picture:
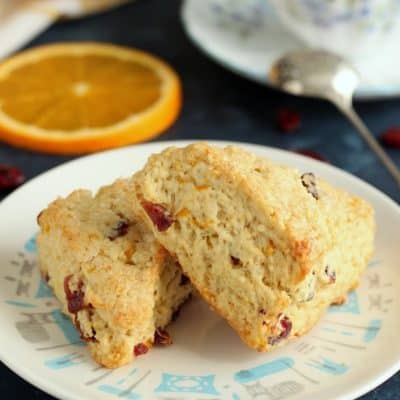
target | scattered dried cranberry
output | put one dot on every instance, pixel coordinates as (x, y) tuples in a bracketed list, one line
[(75, 298), (162, 337), (120, 230), (10, 177), (288, 120), (311, 154), (158, 215), (140, 349), (391, 137), (331, 274), (235, 261), (308, 181), (184, 280), (285, 326)]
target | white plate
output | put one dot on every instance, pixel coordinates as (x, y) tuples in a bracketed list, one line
[(248, 40), (352, 350)]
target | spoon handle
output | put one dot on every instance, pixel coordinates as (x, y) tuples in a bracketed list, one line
[(369, 138)]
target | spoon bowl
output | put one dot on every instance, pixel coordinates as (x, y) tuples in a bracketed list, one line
[(315, 73), (322, 74)]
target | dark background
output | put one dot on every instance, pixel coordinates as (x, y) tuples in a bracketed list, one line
[(219, 105)]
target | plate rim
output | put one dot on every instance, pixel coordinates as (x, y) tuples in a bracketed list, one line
[(51, 388)]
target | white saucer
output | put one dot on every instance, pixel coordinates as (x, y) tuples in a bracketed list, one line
[(353, 349), (249, 40)]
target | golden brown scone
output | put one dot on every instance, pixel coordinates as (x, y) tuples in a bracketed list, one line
[(268, 247), (112, 278)]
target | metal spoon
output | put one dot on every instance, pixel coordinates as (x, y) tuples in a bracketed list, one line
[(319, 73)]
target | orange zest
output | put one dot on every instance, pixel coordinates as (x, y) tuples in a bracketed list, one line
[(83, 97)]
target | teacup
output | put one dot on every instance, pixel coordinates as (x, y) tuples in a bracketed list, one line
[(351, 28)]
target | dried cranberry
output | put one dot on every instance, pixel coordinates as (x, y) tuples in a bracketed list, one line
[(140, 349), (158, 214), (308, 181), (311, 154), (288, 120), (120, 230), (331, 274), (285, 326), (75, 298), (391, 137), (162, 337), (10, 177), (235, 261), (184, 280)]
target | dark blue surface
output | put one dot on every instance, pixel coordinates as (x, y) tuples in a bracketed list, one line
[(219, 105)]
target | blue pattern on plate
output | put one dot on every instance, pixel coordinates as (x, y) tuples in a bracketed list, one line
[(187, 384), (270, 368), (44, 290), (30, 245), (328, 366)]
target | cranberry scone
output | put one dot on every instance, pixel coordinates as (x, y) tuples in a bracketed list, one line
[(118, 285), (268, 247)]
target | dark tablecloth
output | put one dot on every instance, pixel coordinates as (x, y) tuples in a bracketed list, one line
[(218, 105)]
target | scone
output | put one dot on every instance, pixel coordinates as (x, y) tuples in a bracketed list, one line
[(118, 285), (268, 247)]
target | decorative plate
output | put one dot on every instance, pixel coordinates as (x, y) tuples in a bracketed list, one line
[(353, 349), (247, 37)]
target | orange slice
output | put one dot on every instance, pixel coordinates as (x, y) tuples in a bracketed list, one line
[(83, 97)]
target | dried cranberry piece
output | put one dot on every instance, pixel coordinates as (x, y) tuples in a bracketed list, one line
[(285, 326), (311, 153), (331, 274), (162, 337), (288, 119), (391, 137), (308, 181), (10, 177), (120, 230), (184, 280), (235, 261), (75, 298), (158, 214), (140, 349)]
